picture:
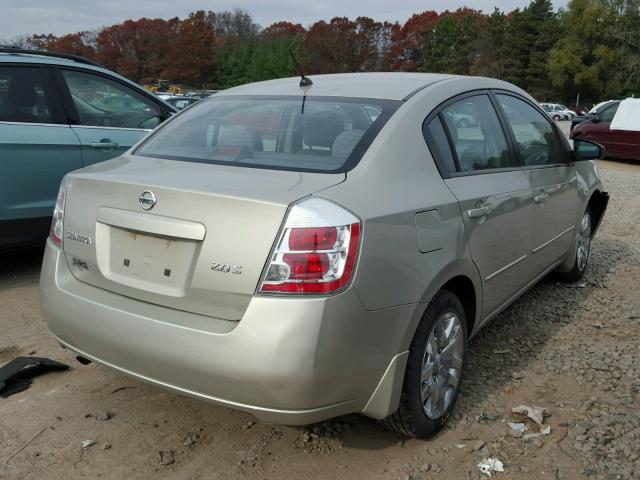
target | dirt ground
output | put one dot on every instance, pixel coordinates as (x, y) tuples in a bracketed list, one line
[(570, 349)]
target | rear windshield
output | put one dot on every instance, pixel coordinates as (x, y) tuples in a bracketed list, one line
[(319, 134)]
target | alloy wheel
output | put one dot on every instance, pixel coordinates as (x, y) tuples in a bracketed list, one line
[(584, 244), (442, 365)]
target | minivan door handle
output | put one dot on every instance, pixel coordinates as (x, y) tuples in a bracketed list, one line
[(478, 212), (103, 144)]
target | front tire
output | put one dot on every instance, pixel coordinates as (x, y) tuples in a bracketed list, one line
[(582, 252), (434, 369)]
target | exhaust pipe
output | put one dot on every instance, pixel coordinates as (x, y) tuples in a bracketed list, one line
[(82, 360)]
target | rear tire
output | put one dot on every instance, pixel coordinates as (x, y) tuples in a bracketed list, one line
[(556, 118), (582, 252), (434, 369)]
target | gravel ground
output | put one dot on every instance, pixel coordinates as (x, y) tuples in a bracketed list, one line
[(572, 349)]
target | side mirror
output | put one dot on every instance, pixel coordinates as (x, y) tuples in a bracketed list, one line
[(585, 150)]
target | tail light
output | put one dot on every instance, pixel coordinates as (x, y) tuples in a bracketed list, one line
[(57, 228), (316, 252)]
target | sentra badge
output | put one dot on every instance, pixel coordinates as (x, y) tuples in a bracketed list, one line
[(78, 237)]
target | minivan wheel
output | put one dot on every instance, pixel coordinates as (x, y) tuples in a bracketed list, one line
[(434, 369), (556, 117), (582, 252)]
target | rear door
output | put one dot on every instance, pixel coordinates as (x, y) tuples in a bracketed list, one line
[(494, 196), (107, 115), (36, 150), (553, 179)]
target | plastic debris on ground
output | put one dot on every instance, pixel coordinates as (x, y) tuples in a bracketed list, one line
[(87, 443), (16, 375), (488, 465), (534, 413), (520, 427)]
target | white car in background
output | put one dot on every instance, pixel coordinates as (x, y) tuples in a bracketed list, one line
[(558, 111)]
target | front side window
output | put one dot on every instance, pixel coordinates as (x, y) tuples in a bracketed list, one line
[(324, 134), (608, 113), (23, 96), (476, 134), (535, 137), (102, 102)]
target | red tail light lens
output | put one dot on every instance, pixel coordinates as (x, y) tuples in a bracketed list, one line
[(313, 238), (311, 258), (307, 266)]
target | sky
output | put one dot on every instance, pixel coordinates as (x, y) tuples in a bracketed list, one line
[(21, 17)]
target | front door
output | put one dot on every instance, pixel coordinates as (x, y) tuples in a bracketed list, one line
[(495, 199), (553, 180), (108, 116)]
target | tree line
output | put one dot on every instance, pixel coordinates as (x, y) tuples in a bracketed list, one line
[(591, 48)]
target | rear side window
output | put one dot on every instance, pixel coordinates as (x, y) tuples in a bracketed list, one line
[(439, 145), (535, 137), (476, 134), (322, 134), (102, 102), (23, 96)]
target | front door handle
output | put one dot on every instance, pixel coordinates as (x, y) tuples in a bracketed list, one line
[(478, 212), (104, 145), (542, 197)]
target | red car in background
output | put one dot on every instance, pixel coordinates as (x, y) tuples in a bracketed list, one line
[(623, 144)]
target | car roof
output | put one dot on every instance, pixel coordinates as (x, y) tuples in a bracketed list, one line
[(43, 60), (35, 59), (383, 85)]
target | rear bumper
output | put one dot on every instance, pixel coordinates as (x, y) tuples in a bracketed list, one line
[(289, 360)]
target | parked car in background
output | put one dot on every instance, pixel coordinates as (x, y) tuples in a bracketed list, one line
[(558, 111), (281, 250), (618, 143), (59, 113), (182, 102), (591, 113)]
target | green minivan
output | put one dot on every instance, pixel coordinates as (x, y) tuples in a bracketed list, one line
[(59, 113)]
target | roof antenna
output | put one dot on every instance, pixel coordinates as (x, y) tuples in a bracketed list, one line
[(304, 81)]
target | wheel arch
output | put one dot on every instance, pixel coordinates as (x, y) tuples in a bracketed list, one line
[(461, 278), (597, 206)]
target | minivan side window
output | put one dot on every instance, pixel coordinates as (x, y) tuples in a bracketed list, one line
[(536, 139), (476, 134), (103, 102), (608, 113), (23, 96)]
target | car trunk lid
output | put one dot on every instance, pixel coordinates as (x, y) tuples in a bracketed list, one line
[(200, 248)]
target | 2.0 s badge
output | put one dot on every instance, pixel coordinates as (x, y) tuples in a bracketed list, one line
[(226, 268)]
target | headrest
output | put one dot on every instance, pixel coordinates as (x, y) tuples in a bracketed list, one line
[(345, 143), (321, 128)]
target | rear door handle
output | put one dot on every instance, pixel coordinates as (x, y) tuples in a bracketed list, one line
[(104, 145), (542, 197), (478, 212)]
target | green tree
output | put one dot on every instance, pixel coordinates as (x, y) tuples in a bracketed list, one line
[(599, 55), (450, 46)]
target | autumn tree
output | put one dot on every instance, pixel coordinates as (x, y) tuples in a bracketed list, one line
[(137, 49), (343, 45), (405, 50), (191, 57)]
